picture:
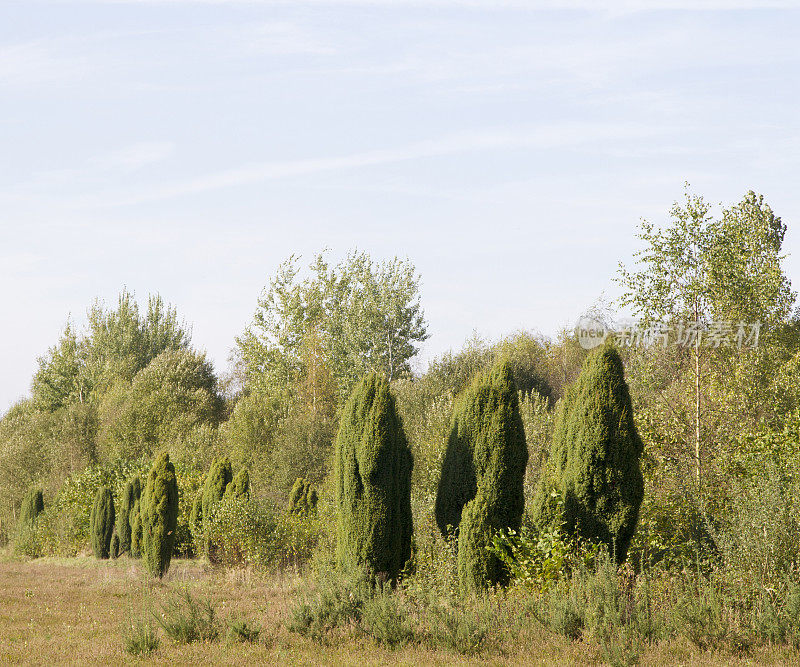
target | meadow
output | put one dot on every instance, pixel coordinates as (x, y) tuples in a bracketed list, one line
[(77, 610)]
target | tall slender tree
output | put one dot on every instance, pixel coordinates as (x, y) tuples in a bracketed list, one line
[(481, 485), (592, 485), (373, 482)]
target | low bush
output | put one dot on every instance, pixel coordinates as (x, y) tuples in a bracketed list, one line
[(539, 559), (186, 620), (140, 638), (241, 630), (339, 601), (456, 629), (386, 620), (251, 533)]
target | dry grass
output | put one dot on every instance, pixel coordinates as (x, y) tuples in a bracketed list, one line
[(74, 610)]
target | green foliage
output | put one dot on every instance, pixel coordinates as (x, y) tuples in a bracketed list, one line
[(303, 498), (130, 494), (140, 638), (196, 519), (481, 485), (101, 522), (217, 480), (248, 532), (116, 345), (386, 619), (113, 550), (136, 529), (171, 397), (593, 472), (339, 601), (242, 630), (456, 629), (32, 507), (539, 559), (186, 620), (373, 482), (361, 316), (239, 486), (159, 516)]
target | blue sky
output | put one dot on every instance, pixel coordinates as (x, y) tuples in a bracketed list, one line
[(508, 148)]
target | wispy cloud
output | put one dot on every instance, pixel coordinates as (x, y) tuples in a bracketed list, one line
[(540, 138)]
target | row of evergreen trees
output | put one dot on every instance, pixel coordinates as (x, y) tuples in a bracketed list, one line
[(591, 486), (145, 525)]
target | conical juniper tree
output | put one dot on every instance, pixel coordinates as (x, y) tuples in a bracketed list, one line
[(159, 516), (592, 484), (123, 526), (373, 482), (219, 476), (481, 486), (32, 507), (136, 519), (101, 522), (217, 481), (303, 498), (239, 486)]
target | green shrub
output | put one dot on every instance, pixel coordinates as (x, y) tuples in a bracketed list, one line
[(594, 461), (481, 485), (251, 533), (113, 549), (159, 514), (339, 601), (239, 486), (130, 494), (217, 480), (539, 559), (32, 507), (136, 529), (186, 620), (28, 540), (196, 519), (456, 629), (241, 630), (386, 621), (373, 482), (303, 498), (241, 532), (101, 522), (140, 638), (219, 477)]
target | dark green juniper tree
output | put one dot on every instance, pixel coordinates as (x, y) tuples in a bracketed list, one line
[(130, 495), (219, 476), (101, 522), (217, 481), (592, 484), (373, 482), (481, 486), (159, 516), (32, 506), (136, 529), (239, 486), (303, 498)]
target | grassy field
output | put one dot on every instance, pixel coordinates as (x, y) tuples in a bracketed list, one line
[(55, 611)]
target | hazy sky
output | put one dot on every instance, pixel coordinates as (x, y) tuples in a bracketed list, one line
[(508, 148)]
